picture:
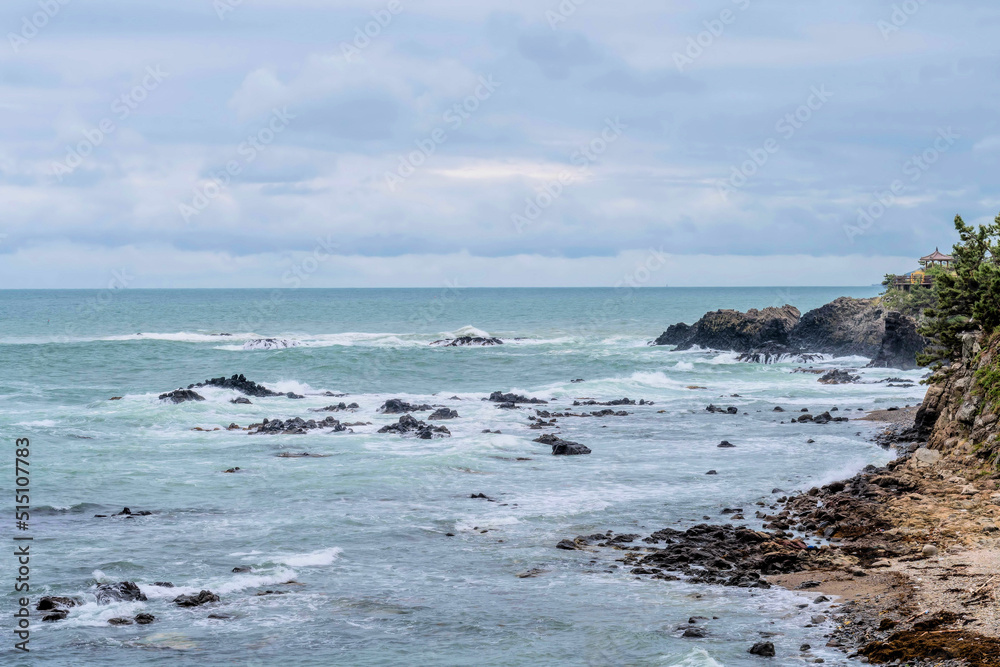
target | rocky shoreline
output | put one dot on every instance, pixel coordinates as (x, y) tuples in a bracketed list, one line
[(911, 550)]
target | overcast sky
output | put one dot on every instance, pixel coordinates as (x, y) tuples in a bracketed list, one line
[(227, 143)]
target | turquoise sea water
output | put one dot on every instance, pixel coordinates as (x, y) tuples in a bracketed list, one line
[(363, 530)]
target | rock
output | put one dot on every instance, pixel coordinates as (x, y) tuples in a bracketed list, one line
[(711, 472), (269, 344), (204, 597), (241, 400), (839, 377), (733, 330), (242, 385), (115, 398), (696, 633), (465, 341), (50, 602), (900, 343), (444, 413), (725, 444), (842, 327), (340, 407), (926, 458), (500, 397), (929, 551), (55, 615), (124, 591), (163, 584), (144, 619), (120, 621), (181, 395), (567, 545), (818, 619), (562, 447), (763, 649), (232, 470), (242, 569), (407, 425), (397, 406)]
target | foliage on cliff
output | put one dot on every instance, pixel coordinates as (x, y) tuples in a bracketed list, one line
[(968, 299), (913, 302)]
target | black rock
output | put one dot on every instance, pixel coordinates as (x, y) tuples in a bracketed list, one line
[(839, 377), (562, 447), (568, 545), (444, 413), (123, 591), (144, 619), (763, 649), (696, 633), (900, 344), (397, 406), (500, 397), (204, 597), (463, 341), (181, 395), (711, 472), (240, 384), (120, 621), (241, 400), (51, 602), (725, 444), (295, 426), (55, 615), (407, 425)]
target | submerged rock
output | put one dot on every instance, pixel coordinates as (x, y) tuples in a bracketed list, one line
[(181, 395)]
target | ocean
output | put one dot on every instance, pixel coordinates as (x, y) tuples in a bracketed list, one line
[(392, 561)]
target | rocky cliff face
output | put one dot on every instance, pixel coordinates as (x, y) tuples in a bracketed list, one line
[(959, 414), (843, 327)]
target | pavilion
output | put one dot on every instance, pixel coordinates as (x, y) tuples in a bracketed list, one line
[(921, 277)]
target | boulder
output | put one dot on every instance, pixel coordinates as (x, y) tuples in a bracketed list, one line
[(444, 413), (181, 395), (123, 591), (839, 377), (397, 406), (763, 649), (204, 597), (562, 447)]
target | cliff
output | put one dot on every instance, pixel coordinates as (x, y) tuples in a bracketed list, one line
[(842, 327)]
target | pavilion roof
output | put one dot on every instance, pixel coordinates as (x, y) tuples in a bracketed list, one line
[(937, 255)]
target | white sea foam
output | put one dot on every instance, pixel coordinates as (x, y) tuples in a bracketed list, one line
[(468, 330), (320, 558), (698, 658)]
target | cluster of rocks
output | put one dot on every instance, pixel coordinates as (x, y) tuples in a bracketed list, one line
[(295, 426), (822, 418), (57, 607), (340, 407), (463, 341), (181, 396), (444, 413), (731, 410), (202, 598), (839, 376), (397, 406), (408, 425), (843, 327), (269, 344), (620, 401), (562, 447)]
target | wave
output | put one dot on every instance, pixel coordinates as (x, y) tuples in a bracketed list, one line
[(320, 558)]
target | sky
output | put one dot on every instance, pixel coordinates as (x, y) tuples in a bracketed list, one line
[(396, 143)]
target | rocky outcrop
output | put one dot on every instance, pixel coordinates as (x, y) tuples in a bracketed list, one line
[(900, 344), (444, 413), (181, 396), (123, 591), (269, 344), (843, 327), (295, 426), (203, 597), (500, 397), (468, 341), (244, 386), (562, 447), (733, 330)]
